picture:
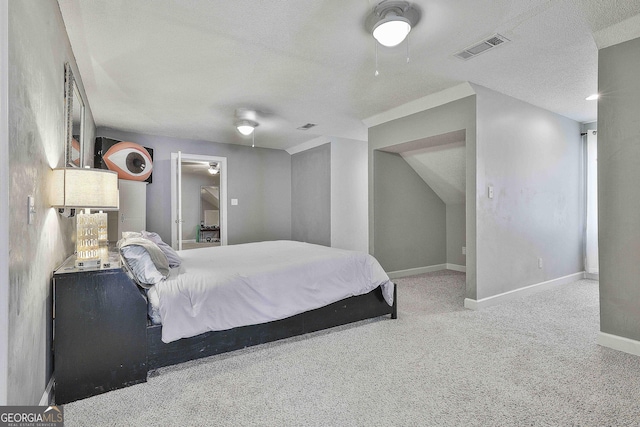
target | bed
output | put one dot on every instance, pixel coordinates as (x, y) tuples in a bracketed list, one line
[(221, 299)]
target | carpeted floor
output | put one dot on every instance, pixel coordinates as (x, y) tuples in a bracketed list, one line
[(530, 362)]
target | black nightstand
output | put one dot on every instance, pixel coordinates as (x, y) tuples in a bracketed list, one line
[(100, 331)]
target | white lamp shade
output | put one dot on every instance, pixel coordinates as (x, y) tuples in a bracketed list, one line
[(84, 188), (391, 31)]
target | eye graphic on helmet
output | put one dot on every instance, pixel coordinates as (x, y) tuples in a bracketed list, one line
[(132, 161)]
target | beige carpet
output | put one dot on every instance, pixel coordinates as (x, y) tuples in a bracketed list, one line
[(530, 362)]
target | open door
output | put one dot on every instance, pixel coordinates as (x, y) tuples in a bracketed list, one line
[(178, 160), (176, 200)]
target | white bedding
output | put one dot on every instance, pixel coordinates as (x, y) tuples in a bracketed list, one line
[(225, 287)]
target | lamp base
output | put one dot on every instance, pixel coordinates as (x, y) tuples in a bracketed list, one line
[(88, 263)]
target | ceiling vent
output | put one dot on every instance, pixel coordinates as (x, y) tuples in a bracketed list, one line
[(481, 47), (307, 126)]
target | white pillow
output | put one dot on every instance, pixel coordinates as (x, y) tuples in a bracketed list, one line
[(141, 266)]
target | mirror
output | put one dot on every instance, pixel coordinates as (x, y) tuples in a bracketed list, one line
[(74, 114), (209, 213), (209, 206)]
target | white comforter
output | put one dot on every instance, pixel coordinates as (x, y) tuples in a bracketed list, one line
[(224, 287)]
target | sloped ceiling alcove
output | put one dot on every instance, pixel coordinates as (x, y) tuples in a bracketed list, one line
[(440, 161)]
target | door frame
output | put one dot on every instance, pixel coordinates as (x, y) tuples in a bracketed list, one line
[(174, 190)]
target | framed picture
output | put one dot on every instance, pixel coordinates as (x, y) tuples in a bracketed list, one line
[(130, 160), (74, 117)]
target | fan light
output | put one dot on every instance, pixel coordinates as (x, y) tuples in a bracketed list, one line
[(212, 169), (390, 21), (392, 30), (246, 127), (592, 97)]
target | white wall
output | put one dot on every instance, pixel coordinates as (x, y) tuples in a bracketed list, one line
[(533, 160), (349, 195)]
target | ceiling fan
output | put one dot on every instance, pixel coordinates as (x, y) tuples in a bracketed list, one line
[(246, 120)]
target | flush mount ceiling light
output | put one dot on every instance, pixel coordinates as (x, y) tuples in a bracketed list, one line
[(391, 21), (213, 168), (593, 97)]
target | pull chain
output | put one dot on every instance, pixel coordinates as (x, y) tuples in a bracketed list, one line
[(376, 73), (407, 48)]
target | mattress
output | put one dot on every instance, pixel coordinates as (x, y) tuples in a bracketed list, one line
[(219, 288)]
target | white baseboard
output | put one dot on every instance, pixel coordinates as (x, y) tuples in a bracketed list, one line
[(473, 304), (592, 276), (45, 400), (619, 343), (413, 271), (457, 267)]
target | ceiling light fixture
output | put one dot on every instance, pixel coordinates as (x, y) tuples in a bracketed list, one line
[(593, 97), (391, 30), (213, 168), (245, 122), (246, 127), (390, 22)]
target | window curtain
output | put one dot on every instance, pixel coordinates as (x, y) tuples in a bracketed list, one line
[(591, 256)]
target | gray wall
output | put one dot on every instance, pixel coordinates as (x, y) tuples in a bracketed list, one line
[(349, 195), (259, 178), (4, 200), (618, 189), (410, 223), (453, 116), (311, 195), (456, 233), (38, 49), (533, 159)]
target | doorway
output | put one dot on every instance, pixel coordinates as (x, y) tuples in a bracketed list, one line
[(198, 201)]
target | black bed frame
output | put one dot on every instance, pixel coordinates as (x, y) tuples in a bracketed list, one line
[(104, 341), (349, 310)]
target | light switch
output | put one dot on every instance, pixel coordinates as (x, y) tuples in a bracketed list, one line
[(490, 192), (234, 202), (31, 209)]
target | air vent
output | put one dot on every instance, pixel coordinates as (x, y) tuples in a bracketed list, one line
[(307, 126), (481, 47)]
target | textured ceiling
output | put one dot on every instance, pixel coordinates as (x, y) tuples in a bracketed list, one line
[(181, 68)]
